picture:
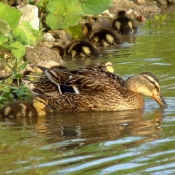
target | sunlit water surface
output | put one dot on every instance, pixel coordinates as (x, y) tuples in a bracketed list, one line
[(128, 142)]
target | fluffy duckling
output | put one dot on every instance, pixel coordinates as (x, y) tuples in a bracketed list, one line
[(59, 49), (81, 48), (100, 37), (17, 109), (78, 48), (106, 66), (123, 24)]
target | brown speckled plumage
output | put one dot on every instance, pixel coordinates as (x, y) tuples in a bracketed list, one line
[(99, 90)]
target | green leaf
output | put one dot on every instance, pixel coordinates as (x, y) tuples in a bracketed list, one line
[(26, 34), (75, 31), (94, 6), (156, 17), (164, 17), (3, 39), (42, 3), (63, 14), (19, 50), (10, 15), (24, 65), (6, 46), (4, 28), (4, 89)]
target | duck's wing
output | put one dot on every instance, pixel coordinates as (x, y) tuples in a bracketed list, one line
[(83, 79), (48, 88)]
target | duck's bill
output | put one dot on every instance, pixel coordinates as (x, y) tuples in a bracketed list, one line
[(160, 100)]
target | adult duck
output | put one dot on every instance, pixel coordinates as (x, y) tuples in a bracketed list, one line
[(99, 90)]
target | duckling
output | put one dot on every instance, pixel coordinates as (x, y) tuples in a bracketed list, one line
[(106, 66), (81, 48), (17, 109), (59, 49), (100, 37), (123, 24)]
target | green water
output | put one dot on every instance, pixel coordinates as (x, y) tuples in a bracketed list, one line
[(128, 142)]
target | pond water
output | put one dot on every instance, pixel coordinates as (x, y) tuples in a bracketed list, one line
[(127, 142)]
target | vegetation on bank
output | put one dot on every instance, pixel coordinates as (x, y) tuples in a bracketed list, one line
[(55, 14)]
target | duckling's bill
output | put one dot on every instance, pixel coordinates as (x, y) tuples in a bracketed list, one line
[(160, 100)]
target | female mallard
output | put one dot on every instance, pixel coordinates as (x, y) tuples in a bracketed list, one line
[(123, 24), (99, 90), (18, 109), (100, 37)]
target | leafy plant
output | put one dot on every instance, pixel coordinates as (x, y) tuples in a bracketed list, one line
[(14, 37), (64, 14), (58, 14), (156, 22)]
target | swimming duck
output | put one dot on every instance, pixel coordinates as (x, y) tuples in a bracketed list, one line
[(99, 90), (77, 48), (81, 48), (18, 109), (100, 37), (123, 24)]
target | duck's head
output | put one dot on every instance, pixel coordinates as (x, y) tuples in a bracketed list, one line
[(147, 84), (121, 13), (40, 103)]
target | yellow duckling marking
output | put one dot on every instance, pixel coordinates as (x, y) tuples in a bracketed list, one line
[(110, 38), (130, 24), (7, 110), (23, 109), (86, 50), (109, 67), (96, 39), (118, 24), (73, 53)]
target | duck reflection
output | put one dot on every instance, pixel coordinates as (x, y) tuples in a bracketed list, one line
[(103, 126)]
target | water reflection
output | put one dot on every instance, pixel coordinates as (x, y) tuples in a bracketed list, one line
[(96, 126), (78, 137)]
